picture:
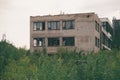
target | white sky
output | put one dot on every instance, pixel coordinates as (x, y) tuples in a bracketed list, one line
[(15, 14)]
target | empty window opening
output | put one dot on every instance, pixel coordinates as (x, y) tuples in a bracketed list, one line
[(68, 24), (53, 25), (39, 42), (68, 41), (39, 26), (53, 41)]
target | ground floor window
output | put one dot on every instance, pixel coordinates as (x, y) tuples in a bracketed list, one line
[(53, 41), (97, 42), (68, 41), (39, 42)]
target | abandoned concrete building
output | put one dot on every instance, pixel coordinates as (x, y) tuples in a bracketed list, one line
[(81, 31)]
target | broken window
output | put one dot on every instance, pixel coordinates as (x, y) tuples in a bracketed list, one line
[(53, 41), (53, 25), (39, 26), (39, 42), (68, 24), (68, 41)]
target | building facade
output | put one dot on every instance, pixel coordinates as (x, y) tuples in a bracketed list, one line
[(70, 31), (106, 34)]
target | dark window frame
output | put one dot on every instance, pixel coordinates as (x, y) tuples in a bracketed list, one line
[(53, 41), (68, 41), (39, 26), (68, 24), (97, 26), (97, 42), (36, 42), (53, 25)]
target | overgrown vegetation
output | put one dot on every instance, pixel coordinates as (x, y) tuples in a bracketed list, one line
[(20, 64)]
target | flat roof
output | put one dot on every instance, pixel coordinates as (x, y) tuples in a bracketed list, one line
[(62, 14)]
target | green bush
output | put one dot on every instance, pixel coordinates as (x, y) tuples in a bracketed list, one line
[(20, 64)]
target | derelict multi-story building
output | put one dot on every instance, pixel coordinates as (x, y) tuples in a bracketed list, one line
[(70, 31)]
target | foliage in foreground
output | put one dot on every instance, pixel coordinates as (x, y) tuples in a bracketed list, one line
[(20, 64)]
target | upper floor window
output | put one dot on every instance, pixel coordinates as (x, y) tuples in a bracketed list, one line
[(68, 41), (53, 25), (53, 41), (39, 26), (97, 26), (68, 24), (104, 24), (39, 42)]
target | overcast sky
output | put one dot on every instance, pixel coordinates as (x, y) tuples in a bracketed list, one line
[(15, 14)]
